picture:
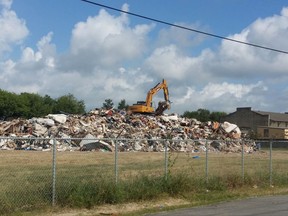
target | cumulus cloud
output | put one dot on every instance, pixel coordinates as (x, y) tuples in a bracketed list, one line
[(109, 57), (169, 62), (6, 3), (182, 38), (209, 78), (241, 60), (46, 51), (231, 59), (13, 30), (221, 96), (107, 40), (31, 72)]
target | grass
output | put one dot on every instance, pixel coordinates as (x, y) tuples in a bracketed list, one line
[(87, 179)]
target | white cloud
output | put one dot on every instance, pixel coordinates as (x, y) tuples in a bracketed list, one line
[(168, 62), (28, 55), (109, 40), (215, 90), (6, 3), (271, 31), (221, 96), (12, 29), (45, 53), (284, 12), (6, 68), (110, 58), (31, 72), (125, 7), (180, 37), (241, 60)]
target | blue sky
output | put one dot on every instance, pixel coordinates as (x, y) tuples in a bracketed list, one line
[(69, 46)]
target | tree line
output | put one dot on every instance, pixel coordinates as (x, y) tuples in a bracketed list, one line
[(204, 115), (28, 105)]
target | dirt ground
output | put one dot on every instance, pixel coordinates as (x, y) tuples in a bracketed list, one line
[(117, 210)]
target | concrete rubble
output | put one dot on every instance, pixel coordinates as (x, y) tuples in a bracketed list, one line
[(99, 130)]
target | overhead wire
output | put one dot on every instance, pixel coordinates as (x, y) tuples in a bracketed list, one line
[(186, 28)]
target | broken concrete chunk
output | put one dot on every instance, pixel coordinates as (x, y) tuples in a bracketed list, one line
[(39, 130), (96, 146), (89, 138), (137, 146), (43, 121), (60, 118), (228, 127)]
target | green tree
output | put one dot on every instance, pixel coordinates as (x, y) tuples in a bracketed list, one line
[(33, 105), (122, 105), (190, 114), (108, 104), (216, 116), (49, 104), (69, 104), (204, 115), (29, 105), (8, 104)]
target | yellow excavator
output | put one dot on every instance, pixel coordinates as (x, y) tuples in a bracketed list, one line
[(146, 106)]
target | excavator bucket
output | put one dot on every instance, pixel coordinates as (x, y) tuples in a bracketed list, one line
[(162, 106)]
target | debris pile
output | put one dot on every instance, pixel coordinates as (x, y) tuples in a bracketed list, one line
[(100, 129)]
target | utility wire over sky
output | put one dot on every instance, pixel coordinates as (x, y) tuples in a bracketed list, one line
[(105, 52), (186, 28)]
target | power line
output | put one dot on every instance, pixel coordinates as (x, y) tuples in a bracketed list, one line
[(186, 28)]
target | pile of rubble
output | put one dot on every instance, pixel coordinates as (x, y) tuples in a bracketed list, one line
[(101, 129)]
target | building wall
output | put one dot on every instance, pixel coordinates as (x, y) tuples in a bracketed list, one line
[(245, 118), (259, 124), (272, 133), (280, 124)]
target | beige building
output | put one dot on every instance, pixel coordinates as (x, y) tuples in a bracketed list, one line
[(272, 133), (260, 124)]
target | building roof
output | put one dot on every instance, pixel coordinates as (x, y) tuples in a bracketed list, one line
[(274, 116)]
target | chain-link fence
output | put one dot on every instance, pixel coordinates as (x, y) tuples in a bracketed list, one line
[(41, 176)]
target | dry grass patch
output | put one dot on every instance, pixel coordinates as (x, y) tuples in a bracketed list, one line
[(26, 176)]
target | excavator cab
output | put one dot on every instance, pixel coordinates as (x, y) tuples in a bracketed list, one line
[(146, 106)]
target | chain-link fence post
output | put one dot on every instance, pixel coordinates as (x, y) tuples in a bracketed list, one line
[(166, 160), (242, 161), (116, 162), (54, 173), (206, 164), (270, 163)]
